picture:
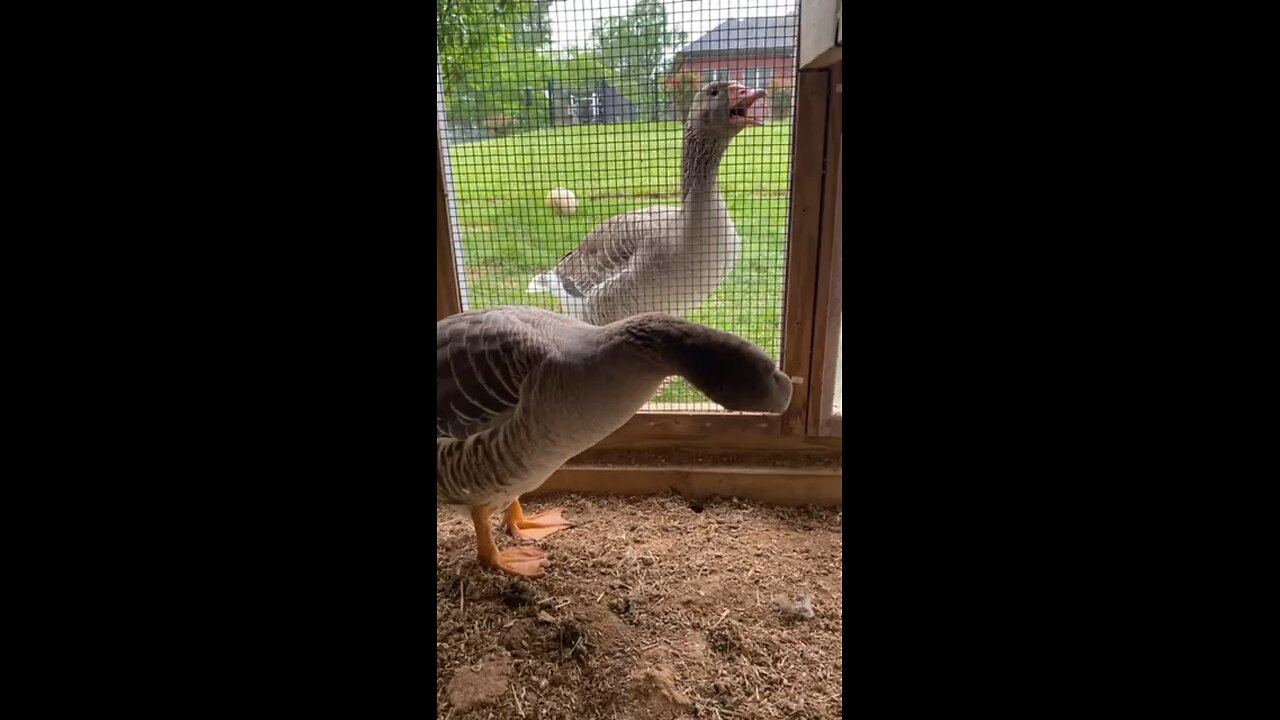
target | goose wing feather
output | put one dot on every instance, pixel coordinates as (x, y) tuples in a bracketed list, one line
[(482, 360), (608, 252)]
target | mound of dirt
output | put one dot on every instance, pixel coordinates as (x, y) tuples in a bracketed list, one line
[(653, 693), (473, 687)]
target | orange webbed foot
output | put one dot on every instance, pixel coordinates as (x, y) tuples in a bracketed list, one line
[(534, 527), (521, 561), (537, 527)]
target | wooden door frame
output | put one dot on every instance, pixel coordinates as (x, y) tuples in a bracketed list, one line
[(828, 309)]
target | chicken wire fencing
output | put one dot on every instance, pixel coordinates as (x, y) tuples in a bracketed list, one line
[(604, 158)]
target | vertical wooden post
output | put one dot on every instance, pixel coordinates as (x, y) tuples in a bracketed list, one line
[(830, 290), (809, 140)]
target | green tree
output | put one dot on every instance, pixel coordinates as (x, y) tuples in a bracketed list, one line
[(681, 88), (478, 43), (534, 29), (636, 46), (471, 34)]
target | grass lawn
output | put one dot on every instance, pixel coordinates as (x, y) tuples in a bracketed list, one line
[(509, 234)]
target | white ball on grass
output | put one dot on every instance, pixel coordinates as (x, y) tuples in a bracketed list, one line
[(563, 201)]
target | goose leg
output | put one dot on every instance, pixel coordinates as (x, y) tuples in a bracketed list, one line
[(521, 561), (534, 527)]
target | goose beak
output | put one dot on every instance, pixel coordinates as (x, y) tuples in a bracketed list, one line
[(741, 98)]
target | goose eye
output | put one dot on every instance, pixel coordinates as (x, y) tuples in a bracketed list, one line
[(714, 92)]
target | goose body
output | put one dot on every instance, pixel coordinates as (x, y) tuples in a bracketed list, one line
[(519, 391), (662, 258)]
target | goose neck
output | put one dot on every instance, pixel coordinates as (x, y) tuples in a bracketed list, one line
[(655, 340), (726, 368), (703, 152)]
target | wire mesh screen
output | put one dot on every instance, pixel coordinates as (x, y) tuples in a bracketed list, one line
[(605, 158)]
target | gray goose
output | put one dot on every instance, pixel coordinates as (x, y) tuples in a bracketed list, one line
[(662, 258), (521, 390)]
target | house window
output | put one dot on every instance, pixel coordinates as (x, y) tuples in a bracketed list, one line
[(758, 77), (714, 75)]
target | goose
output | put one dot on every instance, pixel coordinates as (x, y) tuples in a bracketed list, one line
[(520, 390), (662, 258)]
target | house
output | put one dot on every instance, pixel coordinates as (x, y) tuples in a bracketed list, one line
[(757, 52), (600, 103)]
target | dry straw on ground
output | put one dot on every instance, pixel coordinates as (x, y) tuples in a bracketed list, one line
[(654, 607)]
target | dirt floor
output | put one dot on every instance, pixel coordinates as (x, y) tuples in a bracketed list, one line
[(652, 607)]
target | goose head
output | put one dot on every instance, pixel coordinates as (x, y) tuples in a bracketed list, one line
[(721, 108), (731, 371)]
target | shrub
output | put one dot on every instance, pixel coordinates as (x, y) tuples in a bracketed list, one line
[(500, 125), (780, 101), (681, 88)]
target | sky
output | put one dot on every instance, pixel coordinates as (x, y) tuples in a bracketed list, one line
[(571, 20)]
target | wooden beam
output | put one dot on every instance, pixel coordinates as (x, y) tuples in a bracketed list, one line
[(698, 424), (809, 140), (672, 455), (708, 432), (830, 286), (769, 485), (448, 301), (721, 442)]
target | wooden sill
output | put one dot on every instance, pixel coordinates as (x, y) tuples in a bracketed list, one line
[(821, 487), (688, 437), (651, 424)]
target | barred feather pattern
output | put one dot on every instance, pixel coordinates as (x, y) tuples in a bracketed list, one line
[(657, 259), (519, 391)]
